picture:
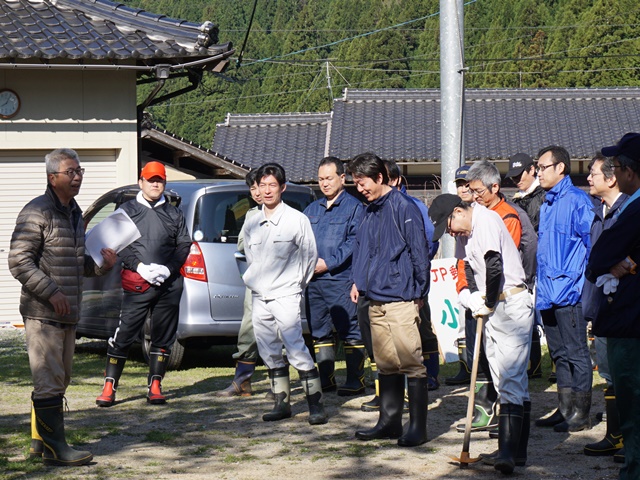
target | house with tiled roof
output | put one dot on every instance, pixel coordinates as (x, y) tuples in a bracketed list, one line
[(68, 76), (404, 125)]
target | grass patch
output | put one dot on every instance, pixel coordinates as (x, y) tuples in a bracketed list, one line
[(359, 450)]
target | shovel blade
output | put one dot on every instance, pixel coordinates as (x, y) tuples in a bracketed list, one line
[(464, 459)]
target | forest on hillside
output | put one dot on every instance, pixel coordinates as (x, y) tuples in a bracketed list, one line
[(301, 54)]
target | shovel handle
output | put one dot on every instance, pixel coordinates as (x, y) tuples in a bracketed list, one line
[(472, 390)]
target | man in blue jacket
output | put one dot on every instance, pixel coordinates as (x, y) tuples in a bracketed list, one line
[(334, 220), (391, 269), (615, 256), (563, 248)]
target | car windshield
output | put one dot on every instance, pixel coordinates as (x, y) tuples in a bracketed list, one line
[(219, 216)]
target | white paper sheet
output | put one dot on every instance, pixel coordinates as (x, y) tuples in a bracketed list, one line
[(116, 232)]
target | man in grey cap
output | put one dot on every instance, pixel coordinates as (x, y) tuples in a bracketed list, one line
[(530, 195), (613, 264)]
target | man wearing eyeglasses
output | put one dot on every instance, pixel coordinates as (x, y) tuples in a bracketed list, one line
[(47, 257), (616, 255), (151, 283), (564, 242)]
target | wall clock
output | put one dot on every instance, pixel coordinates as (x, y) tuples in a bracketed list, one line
[(9, 103)]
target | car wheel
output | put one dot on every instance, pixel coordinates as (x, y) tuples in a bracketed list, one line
[(177, 351)]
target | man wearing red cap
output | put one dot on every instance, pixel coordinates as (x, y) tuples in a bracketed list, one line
[(151, 281)]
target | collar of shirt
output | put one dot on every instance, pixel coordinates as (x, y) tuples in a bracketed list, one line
[(336, 201), (275, 217), (143, 201)]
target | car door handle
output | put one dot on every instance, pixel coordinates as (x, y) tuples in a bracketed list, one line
[(240, 256)]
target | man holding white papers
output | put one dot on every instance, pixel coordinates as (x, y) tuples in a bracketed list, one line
[(151, 282)]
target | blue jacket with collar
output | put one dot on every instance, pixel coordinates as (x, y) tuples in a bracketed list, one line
[(391, 257), (564, 242), (335, 231), (591, 295)]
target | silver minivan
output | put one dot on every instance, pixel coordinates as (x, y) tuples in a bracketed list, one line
[(212, 301)]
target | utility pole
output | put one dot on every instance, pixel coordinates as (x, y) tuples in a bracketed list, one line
[(451, 99), (329, 85)]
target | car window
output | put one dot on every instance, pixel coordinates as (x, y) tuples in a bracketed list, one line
[(218, 217)]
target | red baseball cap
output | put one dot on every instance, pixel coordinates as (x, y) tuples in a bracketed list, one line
[(153, 169)]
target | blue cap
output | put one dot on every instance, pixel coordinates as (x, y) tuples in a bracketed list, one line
[(461, 173), (629, 146)]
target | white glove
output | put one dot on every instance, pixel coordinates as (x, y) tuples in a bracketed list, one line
[(608, 282), (162, 272), (463, 298), (147, 272), (477, 305)]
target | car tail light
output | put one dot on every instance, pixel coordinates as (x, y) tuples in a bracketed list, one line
[(194, 267)]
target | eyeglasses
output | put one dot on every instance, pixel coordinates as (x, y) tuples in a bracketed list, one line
[(542, 168), (478, 192), (449, 223), (71, 173), (595, 174)]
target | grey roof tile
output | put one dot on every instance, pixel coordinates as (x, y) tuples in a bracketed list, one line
[(99, 30), (404, 125), (296, 141)]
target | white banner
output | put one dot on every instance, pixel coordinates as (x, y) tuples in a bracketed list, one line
[(445, 310)]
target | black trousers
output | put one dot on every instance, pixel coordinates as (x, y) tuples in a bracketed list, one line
[(164, 304)]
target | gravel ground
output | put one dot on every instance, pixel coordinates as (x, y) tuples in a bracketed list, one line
[(197, 435)]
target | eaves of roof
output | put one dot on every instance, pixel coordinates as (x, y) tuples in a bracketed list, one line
[(99, 31)]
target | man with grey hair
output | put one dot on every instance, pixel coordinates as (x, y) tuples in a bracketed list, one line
[(47, 257)]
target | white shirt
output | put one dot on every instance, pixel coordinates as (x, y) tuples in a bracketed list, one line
[(281, 253), (489, 233)]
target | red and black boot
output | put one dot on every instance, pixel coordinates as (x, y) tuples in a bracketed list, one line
[(158, 358), (112, 373)]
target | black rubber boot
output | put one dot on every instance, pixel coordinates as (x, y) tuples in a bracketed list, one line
[(325, 352), (312, 388), (535, 356), (612, 441), (565, 407), (618, 457), (523, 444), (241, 384), (485, 416), (354, 356), (509, 430), (416, 434), (50, 425), (464, 374), (391, 402), (37, 447), (281, 389), (431, 361), (373, 405), (112, 373), (521, 453), (158, 358), (579, 419)]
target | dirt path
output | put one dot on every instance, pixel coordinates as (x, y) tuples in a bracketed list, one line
[(197, 436)]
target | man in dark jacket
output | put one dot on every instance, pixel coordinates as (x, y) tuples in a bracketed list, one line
[(603, 185), (530, 195), (47, 257), (151, 282), (613, 264), (391, 269), (334, 219)]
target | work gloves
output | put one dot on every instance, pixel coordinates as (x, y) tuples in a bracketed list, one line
[(477, 305), (154, 273), (608, 282)]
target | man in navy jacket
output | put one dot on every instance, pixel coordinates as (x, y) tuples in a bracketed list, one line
[(613, 264), (335, 219), (391, 269)]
